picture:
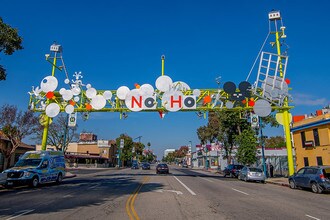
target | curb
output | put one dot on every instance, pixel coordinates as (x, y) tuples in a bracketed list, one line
[(69, 175), (276, 183)]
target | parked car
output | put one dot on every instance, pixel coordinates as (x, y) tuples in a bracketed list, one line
[(232, 170), (251, 174), (135, 166), (162, 168), (145, 166), (3, 178), (37, 167), (316, 178)]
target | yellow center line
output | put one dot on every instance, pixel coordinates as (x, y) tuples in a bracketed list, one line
[(130, 202)]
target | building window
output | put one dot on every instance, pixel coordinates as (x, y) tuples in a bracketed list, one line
[(306, 163), (316, 137), (303, 139), (319, 161)]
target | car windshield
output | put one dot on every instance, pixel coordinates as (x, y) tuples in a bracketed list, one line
[(162, 165), (252, 169), (28, 162)]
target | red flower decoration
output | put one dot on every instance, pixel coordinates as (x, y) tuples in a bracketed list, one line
[(50, 95)]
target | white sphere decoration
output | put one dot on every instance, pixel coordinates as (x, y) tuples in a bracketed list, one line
[(88, 86), (69, 109), (62, 90), (48, 84), (167, 98), (91, 93), (66, 81), (164, 83), (147, 89), (76, 98), (98, 102), (122, 92), (76, 90), (52, 110), (67, 95), (107, 94), (196, 92)]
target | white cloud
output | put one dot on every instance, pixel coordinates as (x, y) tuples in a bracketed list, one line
[(309, 100)]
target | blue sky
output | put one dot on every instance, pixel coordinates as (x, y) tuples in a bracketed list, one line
[(116, 43)]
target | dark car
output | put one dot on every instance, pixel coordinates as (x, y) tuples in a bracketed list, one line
[(145, 166), (316, 178), (162, 168), (232, 170), (135, 166), (185, 165)]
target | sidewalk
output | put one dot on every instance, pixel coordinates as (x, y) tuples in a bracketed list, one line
[(282, 181)]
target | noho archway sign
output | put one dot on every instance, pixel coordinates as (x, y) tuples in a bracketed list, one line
[(269, 92)]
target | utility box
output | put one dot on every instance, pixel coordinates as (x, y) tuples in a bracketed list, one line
[(274, 15)]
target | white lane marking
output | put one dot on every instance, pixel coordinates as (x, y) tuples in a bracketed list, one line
[(165, 190), (187, 188), (207, 180), (23, 213), (68, 196), (92, 187), (312, 217), (240, 191)]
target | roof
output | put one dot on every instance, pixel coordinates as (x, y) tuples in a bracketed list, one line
[(77, 156), (22, 145)]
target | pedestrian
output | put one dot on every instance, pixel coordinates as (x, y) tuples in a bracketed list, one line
[(271, 170)]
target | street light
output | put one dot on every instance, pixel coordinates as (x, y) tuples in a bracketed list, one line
[(190, 151)]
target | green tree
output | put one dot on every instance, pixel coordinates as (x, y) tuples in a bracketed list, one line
[(15, 126), (230, 126), (247, 150), (10, 41), (275, 142), (126, 151)]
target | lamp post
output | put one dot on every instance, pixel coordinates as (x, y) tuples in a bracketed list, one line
[(190, 151), (262, 147)]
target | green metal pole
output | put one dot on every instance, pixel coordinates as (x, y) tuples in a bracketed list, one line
[(46, 126)]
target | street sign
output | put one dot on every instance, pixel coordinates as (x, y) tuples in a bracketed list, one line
[(254, 121), (121, 143), (72, 119)]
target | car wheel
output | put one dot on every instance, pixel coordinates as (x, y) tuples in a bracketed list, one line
[(316, 188), (35, 182), (292, 184), (263, 181), (59, 178), (245, 179)]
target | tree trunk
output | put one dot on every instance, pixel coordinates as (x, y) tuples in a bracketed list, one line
[(6, 163)]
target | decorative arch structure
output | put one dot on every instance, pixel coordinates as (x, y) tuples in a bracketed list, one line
[(269, 92)]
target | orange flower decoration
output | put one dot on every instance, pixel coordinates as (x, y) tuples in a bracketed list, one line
[(88, 106), (207, 99)]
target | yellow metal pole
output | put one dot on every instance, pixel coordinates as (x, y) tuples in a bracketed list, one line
[(163, 64), (46, 125), (286, 120)]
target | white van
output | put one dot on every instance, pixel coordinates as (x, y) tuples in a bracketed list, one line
[(37, 167)]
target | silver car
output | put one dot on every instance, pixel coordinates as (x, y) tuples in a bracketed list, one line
[(251, 174)]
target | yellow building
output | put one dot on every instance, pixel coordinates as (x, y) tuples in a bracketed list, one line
[(311, 139)]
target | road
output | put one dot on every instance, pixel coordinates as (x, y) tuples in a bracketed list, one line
[(141, 194)]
